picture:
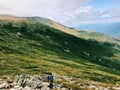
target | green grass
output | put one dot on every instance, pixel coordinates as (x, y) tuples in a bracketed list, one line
[(34, 48)]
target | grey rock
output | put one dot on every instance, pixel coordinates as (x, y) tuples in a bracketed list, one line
[(22, 80), (27, 88), (3, 85), (35, 82), (16, 88), (45, 88), (116, 88)]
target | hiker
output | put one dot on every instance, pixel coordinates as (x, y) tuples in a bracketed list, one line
[(50, 80)]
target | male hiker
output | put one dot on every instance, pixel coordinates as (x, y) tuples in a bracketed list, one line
[(50, 80)]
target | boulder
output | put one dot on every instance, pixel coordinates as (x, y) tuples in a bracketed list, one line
[(22, 80), (45, 88), (16, 88), (3, 85), (27, 88), (35, 82)]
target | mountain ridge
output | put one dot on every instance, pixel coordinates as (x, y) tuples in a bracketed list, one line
[(76, 32)]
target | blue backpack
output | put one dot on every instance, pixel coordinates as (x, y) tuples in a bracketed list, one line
[(50, 78)]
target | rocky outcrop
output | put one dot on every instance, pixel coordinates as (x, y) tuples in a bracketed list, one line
[(35, 82), (26, 82)]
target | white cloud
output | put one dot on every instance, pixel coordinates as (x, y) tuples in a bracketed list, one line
[(115, 12), (87, 15), (39, 7), (67, 12), (84, 12), (75, 15), (94, 21)]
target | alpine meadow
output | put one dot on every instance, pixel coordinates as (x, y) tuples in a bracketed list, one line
[(29, 46)]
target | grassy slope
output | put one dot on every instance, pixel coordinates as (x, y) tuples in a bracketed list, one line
[(29, 47), (81, 34)]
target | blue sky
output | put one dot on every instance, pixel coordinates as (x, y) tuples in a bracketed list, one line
[(67, 12), (101, 5)]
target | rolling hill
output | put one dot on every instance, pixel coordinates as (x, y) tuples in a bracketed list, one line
[(27, 46)]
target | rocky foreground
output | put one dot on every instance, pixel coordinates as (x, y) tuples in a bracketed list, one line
[(36, 82)]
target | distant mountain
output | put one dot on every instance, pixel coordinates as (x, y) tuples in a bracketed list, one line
[(112, 29)]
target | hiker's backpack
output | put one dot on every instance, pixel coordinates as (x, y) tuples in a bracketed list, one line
[(50, 78)]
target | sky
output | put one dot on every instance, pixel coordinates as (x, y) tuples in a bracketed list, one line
[(67, 12)]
